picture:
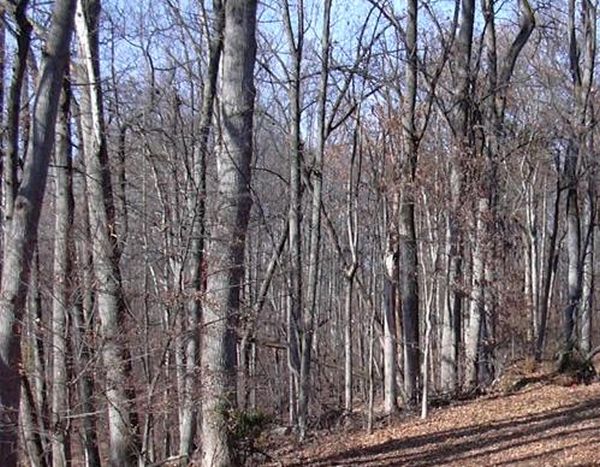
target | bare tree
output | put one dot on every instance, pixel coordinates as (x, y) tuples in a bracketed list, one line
[(111, 307), (196, 261), (22, 237), (63, 212), (499, 74), (225, 251), (408, 260), (296, 302), (579, 238)]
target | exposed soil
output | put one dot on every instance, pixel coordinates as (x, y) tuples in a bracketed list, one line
[(541, 425)]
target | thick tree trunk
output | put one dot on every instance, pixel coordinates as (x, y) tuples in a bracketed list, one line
[(452, 310), (83, 330), (61, 299), (582, 55), (476, 309), (407, 247), (587, 292), (573, 252), (462, 136), (486, 147), (196, 261), (225, 253), (10, 183), (390, 345), (582, 74), (119, 391), (22, 238)]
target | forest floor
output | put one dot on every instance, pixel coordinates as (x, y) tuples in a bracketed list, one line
[(543, 424)]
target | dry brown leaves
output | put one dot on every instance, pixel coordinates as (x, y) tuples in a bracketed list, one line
[(541, 426)]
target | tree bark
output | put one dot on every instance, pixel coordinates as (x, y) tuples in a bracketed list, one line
[(196, 262), (582, 75), (22, 237), (390, 345), (83, 328), (311, 304), (296, 303), (61, 299), (10, 182), (225, 253), (122, 419), (409, 265), (462, 140)]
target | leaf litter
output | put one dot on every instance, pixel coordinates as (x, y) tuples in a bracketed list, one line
[(541, 425)]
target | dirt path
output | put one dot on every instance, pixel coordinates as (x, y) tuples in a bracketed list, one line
[(549, 425)]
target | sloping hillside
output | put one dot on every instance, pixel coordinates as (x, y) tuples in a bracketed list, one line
[(541, 425)]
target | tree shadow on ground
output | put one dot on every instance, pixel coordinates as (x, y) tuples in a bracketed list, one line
[(478, 441)]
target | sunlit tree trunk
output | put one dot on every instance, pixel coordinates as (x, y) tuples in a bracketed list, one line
[(486, 146), (196, 264), (22, 237), (83, 325), (460, 121), (582, 59), (225, 252), (61, 298), (122, 419)]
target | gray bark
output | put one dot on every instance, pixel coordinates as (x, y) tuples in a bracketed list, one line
[(82, 331), (296, 303), (582, 74), (196, 263), (390, 345), (10, 182), (61, 300), (498, 80), (315, 232), (119, 392), (225, 252), (461, 60), (352, 201), (409, 264), (587, 292), (550, 267), (22, 237), (476, 308)]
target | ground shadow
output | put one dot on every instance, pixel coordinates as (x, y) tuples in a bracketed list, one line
[(475, 441)]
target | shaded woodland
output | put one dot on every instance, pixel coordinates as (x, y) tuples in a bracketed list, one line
[(224, 216)]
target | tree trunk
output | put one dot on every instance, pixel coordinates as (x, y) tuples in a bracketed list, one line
[(315, 232), (296, 303), (582, 74), (390, 345), (119, 391), (61, 299), (83, 330), (196, 263), (10, 182), (408, 281), (573, 251), (476, 310), (225, 253), (587, 294), (462, 137), (22, 238)]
